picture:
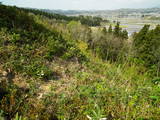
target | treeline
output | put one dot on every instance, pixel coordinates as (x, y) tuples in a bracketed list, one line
[(109, 44), (85, 20), (90, 21), (142, 48)]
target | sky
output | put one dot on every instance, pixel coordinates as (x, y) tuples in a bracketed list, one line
[(83, 4)]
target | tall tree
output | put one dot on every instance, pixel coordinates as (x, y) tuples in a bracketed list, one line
[(124, 34), (110, 29), (117, 29), (142, 45), (104, 30)]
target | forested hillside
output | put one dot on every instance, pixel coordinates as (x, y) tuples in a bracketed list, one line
[(85, 20), (54, 67)]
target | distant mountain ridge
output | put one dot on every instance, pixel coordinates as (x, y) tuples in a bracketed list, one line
[(108, 13), (127, 10)]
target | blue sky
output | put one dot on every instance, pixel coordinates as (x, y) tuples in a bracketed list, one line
[(83, 4)]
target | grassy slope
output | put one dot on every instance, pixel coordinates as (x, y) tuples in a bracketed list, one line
[(66, 88)]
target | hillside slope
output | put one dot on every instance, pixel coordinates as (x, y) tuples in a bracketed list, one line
[(46, 74)]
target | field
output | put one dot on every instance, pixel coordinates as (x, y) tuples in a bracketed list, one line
[(134, 24)]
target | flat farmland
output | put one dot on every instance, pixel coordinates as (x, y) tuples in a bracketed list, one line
[(133, 24)]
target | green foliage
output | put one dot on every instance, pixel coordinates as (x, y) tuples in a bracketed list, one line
[(96, 113), (117, 29), (90, 21), (55, 47), (104, 30), (112, 44), (110, 29), (146, 46), (19, 19), (27, 45), (124, 34), (119, 32), (109, 46), (19, 117), (85, 20), (35, 49), (72, 53), (95, 97), (79, 32), (1, 115)]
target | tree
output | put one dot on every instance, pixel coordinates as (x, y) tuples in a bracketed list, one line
[(117, 29), (118, 32), (146, 46), (140, 37), (110, 29), (142, 45), (124, 34), (155, 46), (104, 30)]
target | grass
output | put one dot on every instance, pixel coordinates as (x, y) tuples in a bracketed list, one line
[(38, 83), (96, 89), (108, 91)]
